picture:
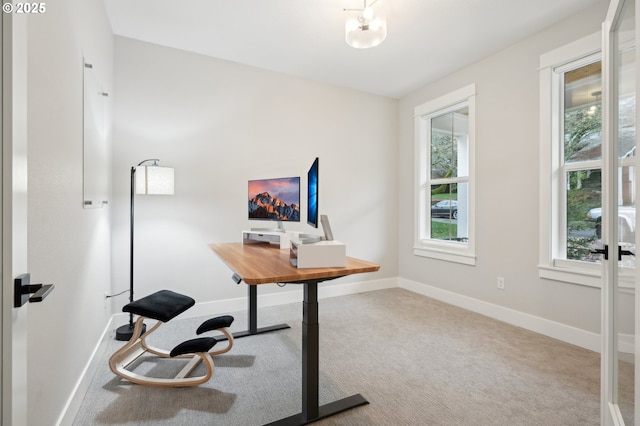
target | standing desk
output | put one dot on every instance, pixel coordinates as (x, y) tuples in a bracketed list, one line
[(263, 264)]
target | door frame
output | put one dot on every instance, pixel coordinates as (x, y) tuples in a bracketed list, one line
[(609, 414), (609, 408), (13, 204)]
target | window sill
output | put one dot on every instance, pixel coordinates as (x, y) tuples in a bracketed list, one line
[(571, 275), (585, 276), (446, 255)]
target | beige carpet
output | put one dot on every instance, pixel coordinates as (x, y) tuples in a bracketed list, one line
[(418, 362)]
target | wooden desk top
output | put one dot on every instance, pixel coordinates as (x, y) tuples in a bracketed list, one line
[(263, 264)]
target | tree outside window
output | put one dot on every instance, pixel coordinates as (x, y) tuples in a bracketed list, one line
[(449, 202), (582, 160)]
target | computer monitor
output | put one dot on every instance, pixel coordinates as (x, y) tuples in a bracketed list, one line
[(276, 200), (312, 194)]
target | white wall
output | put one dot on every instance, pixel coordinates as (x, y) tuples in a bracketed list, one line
[(67, 245), (221, 124), (507, 184)]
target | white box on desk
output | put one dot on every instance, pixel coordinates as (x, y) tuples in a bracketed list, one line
[(321, 254)]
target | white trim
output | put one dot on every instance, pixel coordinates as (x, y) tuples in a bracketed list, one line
[(14, 406), (445, 101), (585, 46), (589, 275), (556, 330), (551, 262), (566, 333), (615, 415), (70, 409), (441, 253), (610, 413), (571, 275), (439, 249)]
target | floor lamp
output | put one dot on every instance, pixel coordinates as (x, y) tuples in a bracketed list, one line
[(151, 180)]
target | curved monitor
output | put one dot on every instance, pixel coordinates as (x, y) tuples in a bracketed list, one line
[(274, 199), (312, 194)]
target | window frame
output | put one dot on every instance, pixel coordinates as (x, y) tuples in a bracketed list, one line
[(552, 198), (451, 251)]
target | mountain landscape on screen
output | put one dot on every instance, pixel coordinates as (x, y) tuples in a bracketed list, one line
[(264, 206)]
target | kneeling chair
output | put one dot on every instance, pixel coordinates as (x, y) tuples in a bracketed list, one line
[(163, 306)]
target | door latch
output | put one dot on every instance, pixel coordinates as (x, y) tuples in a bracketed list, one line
[(622, 252), (22, 290), (604, 251)]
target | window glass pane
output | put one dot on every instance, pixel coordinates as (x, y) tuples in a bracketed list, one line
[(449, 144), (626, 105), (584, 210), (626, 127), (625, 64), (450, 212), (626, 149), (627, 205), (583, 113)]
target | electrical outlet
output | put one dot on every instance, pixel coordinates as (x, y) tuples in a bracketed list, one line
[(500, 283)]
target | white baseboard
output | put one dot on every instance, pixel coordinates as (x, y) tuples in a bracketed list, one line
[(566, 333), (205, 309), (82, 385)]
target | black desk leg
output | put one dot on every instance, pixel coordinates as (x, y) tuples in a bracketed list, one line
[(252, 319), (311, 411), (310, 351), (253, 309)]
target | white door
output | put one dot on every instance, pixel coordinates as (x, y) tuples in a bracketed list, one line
[(619, 384), (13, 181)]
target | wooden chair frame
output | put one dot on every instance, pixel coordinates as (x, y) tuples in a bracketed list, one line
[(138, 346)]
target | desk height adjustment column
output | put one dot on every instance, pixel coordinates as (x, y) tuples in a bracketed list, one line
[(311, 409), (310, 352)]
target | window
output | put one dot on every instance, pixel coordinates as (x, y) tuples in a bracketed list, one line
[(444, 227), (581, 160), (571, 161)]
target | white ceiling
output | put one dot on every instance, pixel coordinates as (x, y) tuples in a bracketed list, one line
[(426, 38)]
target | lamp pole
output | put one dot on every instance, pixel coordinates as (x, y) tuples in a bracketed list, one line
[(126, 331)]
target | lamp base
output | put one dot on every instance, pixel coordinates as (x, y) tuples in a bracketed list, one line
[(125, 332)]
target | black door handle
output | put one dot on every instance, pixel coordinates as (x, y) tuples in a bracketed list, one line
[(604, 251), (22, 290), (622, 252)]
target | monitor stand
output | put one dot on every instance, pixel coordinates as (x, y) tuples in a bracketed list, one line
[(280, 228), (282, 239)]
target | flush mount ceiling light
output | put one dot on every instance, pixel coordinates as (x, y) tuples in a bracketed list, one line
[(366, 30)]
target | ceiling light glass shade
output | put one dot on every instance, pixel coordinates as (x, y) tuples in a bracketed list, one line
[(363, 33), (154, 180)]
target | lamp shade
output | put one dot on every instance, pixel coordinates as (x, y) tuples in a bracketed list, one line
[(154, 180), (363, 33)]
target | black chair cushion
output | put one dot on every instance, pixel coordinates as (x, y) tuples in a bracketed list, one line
[(162, 305), (223, 321), (201, 344)]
